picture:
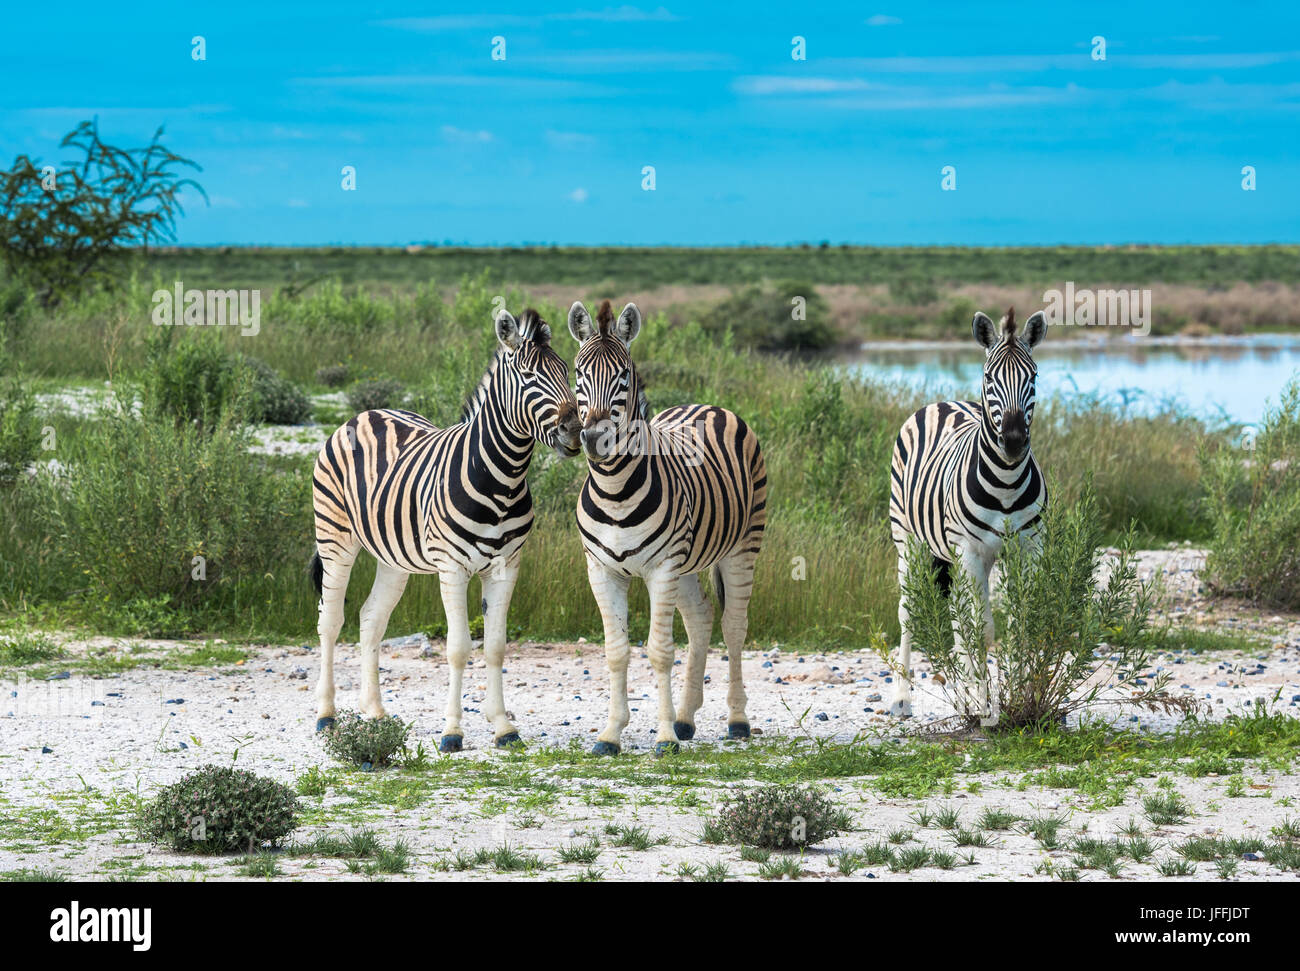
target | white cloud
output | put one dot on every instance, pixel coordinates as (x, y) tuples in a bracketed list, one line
[(463, 137), (569, 139), (882, 20), (578, 195)]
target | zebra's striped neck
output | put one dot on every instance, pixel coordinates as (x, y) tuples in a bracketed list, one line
[(994, 467), (498, 437)]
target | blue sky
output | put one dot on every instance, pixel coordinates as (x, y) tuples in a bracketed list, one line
[(748, 144)]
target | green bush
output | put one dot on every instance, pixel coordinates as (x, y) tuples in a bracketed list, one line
[(379, 393), (365, 742), (1253, 498), (768, 318), (778, 817), (20, 431), (144, 497), (220, 810), (193, 382), (1062, 642), (275, 399), (334, 375)]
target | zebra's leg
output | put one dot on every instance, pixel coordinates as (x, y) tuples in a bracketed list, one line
[(610, 591), (334, 585), (660, 647), (498, 585), (988, 689), (389, 584), (736, 574), (697, 615), (901, 705), (455, 588), (976, 691)]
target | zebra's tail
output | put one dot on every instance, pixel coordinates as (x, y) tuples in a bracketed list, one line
[(715, 574), (316, 570)]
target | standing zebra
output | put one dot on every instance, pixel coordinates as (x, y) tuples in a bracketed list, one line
[(664, 500), (451, 501), (963, 478)]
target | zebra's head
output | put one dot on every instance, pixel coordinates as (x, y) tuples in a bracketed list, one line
[(1009, 376), (610, 396), (536, 381)]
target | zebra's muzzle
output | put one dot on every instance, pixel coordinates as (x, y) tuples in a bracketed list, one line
[(598, 440), (1015, 434)]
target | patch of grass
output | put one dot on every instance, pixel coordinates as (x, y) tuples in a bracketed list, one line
[(782, 868), (580, 852), (996, 819), (912, 858), (27, 647), (1176, 868), (1166, 808)]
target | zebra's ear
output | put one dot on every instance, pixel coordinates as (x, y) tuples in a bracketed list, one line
[(1035, 328), (628, 325), (986, 334), (580, 325), (507, 329)]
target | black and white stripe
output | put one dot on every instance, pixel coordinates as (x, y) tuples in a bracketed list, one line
[(451, 501), (963, 478), (666, 498)]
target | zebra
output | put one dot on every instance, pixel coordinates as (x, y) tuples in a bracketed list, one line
[(665, 499), (452, 501), (963, 478)]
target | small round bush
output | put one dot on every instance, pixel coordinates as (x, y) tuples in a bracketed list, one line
[(277, 400), (778, 818), (219, 809), (381, 393), (334, 375), (367, 742)]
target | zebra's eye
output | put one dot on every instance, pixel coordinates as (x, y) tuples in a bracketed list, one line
[(528, 375)]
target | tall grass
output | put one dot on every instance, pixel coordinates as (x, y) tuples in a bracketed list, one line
[(115, 538)]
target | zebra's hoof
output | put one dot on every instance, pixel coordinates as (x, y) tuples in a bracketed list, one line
[(666, 748), (738, 730), (684, 731), (451, 743), (324, 723), (508, 739), (901, 709), (606, 748)]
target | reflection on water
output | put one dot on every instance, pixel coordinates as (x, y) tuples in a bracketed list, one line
[(1225, 379)]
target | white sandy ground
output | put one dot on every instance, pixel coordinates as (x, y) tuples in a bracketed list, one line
[(132, 733)]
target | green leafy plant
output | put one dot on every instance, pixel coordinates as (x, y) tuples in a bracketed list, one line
[(365, 742), (784, 316), (379, 393), (219, 809), (1063, 640), (778, 817), (1253, 495)]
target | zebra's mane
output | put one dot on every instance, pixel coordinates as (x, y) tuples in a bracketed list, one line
[(531, 328)]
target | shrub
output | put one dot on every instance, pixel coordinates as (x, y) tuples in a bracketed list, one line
[(1253, 498), (778, 817), (380, 393), (764, 317), (275, 399), (20, 431), (144, 496), (1062, 640), (220, 810), (195, 382), (366, 742), (334, 375), (57, 238)]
